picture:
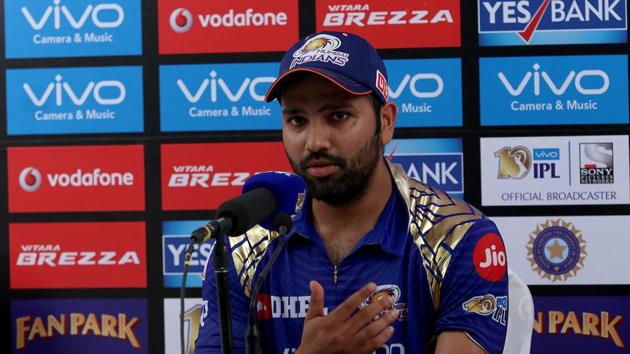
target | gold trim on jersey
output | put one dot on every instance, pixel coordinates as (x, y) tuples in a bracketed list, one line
[(437, 223), (247, 251)]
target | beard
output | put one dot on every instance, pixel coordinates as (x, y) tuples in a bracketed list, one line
[(349, 183)]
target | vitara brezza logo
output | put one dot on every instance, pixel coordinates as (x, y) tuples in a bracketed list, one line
[(360, 15), (51, 255), (204, 176), (30, 179), (57, 16)]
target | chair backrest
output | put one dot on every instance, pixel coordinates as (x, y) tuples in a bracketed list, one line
[(520, 316)]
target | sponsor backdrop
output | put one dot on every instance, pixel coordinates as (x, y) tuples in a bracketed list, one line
[(126, 123)]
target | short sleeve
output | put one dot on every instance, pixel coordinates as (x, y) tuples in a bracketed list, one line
[(474, 291)]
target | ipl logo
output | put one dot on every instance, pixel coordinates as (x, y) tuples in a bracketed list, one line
[(514, 162)]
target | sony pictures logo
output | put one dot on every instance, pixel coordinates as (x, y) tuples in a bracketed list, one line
[(596, 163)]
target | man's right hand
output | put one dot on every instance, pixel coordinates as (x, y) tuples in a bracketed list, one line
[(346, 329)]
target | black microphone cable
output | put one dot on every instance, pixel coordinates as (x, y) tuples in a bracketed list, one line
[(283, 223)]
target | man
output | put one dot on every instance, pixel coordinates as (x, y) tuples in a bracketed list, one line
[(377, 261)]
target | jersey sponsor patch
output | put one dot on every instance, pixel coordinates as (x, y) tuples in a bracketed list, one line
[(487, 305), (489, 257)]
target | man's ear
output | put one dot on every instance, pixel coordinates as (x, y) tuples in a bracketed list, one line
[(388, 115)]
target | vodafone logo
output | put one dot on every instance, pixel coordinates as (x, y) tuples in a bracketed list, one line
[(490, 258), (30, 179), (181, 20)]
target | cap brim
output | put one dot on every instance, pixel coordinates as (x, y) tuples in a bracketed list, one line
[(344, 82)]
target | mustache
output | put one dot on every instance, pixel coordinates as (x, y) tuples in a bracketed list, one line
[(322, 155)]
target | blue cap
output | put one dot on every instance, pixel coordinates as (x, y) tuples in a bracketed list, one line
[(343, 58)]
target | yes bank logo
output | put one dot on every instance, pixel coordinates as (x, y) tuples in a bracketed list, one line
[(217, 97), (554, 90), (428, 91), (441, 170), (74, 100), (64, 28), (174, 251), (551, 21)]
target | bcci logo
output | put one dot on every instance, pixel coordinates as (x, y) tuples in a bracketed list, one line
[(487, 305), (30, 179), (391, 290), (514, 162), (181, 20), (320, 48), (596, 163), (556, 250)]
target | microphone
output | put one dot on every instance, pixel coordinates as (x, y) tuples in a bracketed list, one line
[(264, 195)]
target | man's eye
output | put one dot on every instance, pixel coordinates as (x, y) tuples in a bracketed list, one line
[(296, 120), (340, 115)]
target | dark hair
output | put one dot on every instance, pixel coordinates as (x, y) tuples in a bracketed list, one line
[(377, 104)]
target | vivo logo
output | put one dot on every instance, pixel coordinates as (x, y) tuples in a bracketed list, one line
[(213, 86), (546, 154), (116, 92), (101, 15), (560, 87), (411, 82)]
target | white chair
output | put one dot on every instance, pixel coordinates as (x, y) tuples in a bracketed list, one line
[(520, 316)]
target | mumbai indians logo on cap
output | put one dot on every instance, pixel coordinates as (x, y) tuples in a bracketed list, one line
[(320, 48)]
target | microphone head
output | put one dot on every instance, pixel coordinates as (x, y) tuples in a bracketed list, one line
[(282, 220), (289, 190)]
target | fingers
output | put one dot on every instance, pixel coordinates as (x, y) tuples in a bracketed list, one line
[(366, 315), (348, 307), (376, 342), (316, 304), (374, 328)]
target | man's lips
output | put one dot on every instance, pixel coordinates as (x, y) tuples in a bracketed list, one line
[(321, 168)]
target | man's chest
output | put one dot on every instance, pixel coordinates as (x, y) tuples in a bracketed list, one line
[(286, 296)]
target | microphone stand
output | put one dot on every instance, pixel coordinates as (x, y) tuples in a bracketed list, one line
[(283, 224), (221, 268), (216, 229)]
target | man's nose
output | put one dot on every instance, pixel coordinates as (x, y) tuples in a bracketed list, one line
[(318, 137)]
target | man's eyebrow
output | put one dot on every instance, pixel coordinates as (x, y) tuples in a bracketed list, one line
[(292, 111), (328, 107), (335, 106)]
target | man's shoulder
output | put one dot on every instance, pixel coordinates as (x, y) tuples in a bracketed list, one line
[(438, 224), (247, 252)]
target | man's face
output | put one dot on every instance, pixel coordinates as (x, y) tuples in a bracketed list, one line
[(330, 139)]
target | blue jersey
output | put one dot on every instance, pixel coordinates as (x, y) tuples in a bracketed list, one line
[(440, 259)]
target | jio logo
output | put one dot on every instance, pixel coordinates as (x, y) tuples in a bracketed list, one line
[(181, 20), (30, 179)]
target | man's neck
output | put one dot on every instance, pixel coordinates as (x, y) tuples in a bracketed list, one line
[(342, 227)]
